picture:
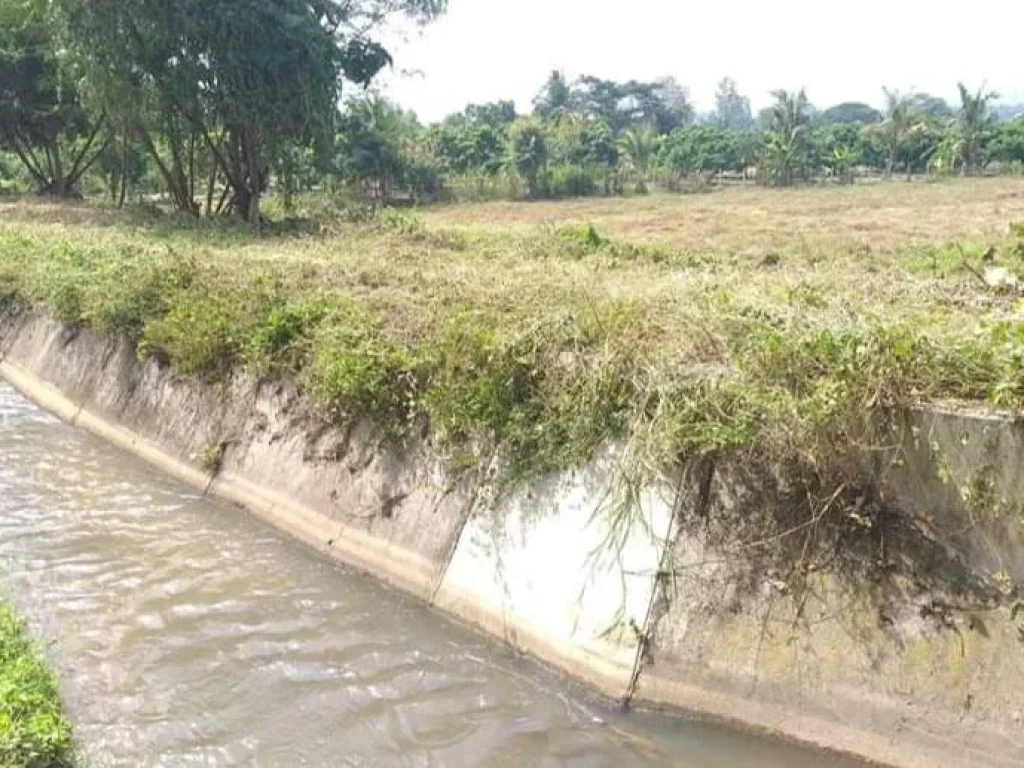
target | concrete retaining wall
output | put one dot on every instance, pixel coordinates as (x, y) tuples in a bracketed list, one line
[(635, 601)]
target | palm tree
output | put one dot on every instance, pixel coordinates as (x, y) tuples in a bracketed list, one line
[(973, 123), (639, 145), (786, 143), (556, 100), (902, 120), (790, 111)]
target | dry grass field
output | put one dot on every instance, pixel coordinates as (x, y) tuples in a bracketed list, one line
[(751, 220)]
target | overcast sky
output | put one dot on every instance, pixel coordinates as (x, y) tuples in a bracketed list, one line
[(485, 50)]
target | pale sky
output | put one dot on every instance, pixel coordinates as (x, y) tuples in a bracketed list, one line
[(485, 50)]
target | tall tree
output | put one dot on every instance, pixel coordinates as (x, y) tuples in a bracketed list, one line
[(851, 112), (933, 107), (555, 101), (974, 125), (732, 110), (787, 144), (371, 136), (670, 107), (528, 153), (245, 79), (599, 99), (497, 114), (41, 118)]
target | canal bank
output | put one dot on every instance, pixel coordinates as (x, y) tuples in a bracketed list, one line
[(644, 602), (184, 631)]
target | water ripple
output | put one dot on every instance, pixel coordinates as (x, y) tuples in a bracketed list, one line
[(187, 634)]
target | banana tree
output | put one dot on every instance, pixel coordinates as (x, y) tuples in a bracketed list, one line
[(843, 159), (640, 145), (943, 158)]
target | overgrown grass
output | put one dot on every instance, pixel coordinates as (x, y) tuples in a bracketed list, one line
[(547, 343), (34, 732)]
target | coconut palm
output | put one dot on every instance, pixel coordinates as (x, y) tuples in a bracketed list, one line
[(974, 122), (903, 119), (786, 145), (790, 111)]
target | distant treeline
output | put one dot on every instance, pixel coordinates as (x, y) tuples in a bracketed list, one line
[(210, 104), (599, 137)]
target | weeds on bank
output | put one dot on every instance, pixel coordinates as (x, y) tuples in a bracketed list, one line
[(549, 345), (34, 732), (707, 358)]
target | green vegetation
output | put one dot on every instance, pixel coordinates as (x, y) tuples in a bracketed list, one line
[(599, 137), (33, 730), (546, 344), (217, 97), (211, 107)]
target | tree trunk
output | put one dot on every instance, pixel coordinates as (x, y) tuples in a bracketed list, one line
[(256, 180), (172, 176), (210, 184), (58, 173), (124, 169)]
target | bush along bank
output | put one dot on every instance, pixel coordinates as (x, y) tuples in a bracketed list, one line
[(787, 379), (34, 733)]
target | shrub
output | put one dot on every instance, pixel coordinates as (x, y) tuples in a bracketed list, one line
[(34, 733)]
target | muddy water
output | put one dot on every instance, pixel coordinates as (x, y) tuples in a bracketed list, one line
[(187, 633)]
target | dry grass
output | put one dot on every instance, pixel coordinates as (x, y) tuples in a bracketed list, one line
[(892, 250), (748, 220)]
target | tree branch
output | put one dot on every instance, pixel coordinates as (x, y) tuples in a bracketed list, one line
[(233, 180), (75, 173), (86, 166), (23, 148)]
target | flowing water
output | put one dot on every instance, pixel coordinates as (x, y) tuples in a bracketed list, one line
[(185, 632)]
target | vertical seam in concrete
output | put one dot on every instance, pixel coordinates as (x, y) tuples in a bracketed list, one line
[(707, 471), (442, 571), (643, 636)]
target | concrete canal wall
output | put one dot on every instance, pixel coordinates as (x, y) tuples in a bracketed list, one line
[(638, 594)]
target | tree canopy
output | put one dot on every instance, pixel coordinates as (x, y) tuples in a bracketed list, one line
[(243, 79), (732, 110), (217, 102), (41, 118), (852, 112)]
